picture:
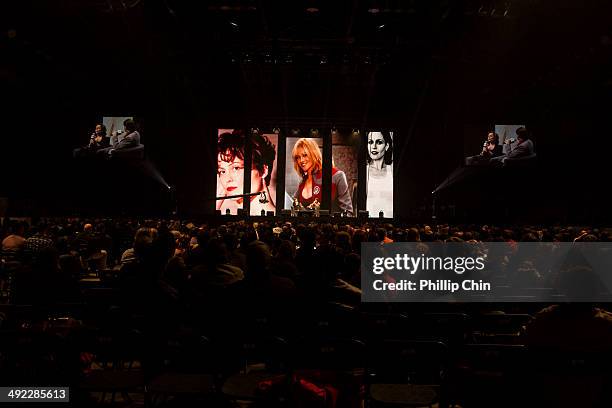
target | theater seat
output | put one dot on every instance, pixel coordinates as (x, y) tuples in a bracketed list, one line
[(129, 153)]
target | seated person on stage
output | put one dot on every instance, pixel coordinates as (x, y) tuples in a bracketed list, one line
[(124, 140), (97, 141), (131, 138), (524, 147), (490, 149)]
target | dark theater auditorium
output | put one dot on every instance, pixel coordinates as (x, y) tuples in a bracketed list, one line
[(426, 221)]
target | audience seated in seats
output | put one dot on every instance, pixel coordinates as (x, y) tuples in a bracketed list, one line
[(260, 287), (143, 242), (41, 240), (42, 282), (184, 279), (283, 264), (214, 270), (13, 243), (381, 235), (572, 346), (324, 282), (577, 325)]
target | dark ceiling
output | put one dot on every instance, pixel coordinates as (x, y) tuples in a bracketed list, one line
[(347, 59)]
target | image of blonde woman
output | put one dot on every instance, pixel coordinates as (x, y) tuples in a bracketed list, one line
[(308, 164)]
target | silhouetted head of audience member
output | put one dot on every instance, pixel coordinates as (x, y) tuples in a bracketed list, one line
[(381, 234), (307, 237), (258, 257), (580, 284), (286, 250), (143, 242), (413, 235), (216, 252), (343, 241)]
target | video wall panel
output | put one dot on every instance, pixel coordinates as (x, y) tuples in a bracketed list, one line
[(301, 185), (379, 173), (264, 148), (345, 172), (304, 173), (230, 170)]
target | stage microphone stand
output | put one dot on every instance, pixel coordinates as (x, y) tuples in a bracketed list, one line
[(237, 196)]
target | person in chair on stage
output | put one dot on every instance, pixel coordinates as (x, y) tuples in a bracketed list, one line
[(97, 141), (230, 172), (120, 141), (308, 164), (523, 149), (131, 138), (524, 146), (490, 149)]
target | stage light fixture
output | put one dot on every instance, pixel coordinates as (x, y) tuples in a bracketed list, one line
[(276, 130), (314, 132), (234, 24)]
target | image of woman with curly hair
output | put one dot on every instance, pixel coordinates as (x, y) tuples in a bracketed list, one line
[(263, 173), (230, 172)]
